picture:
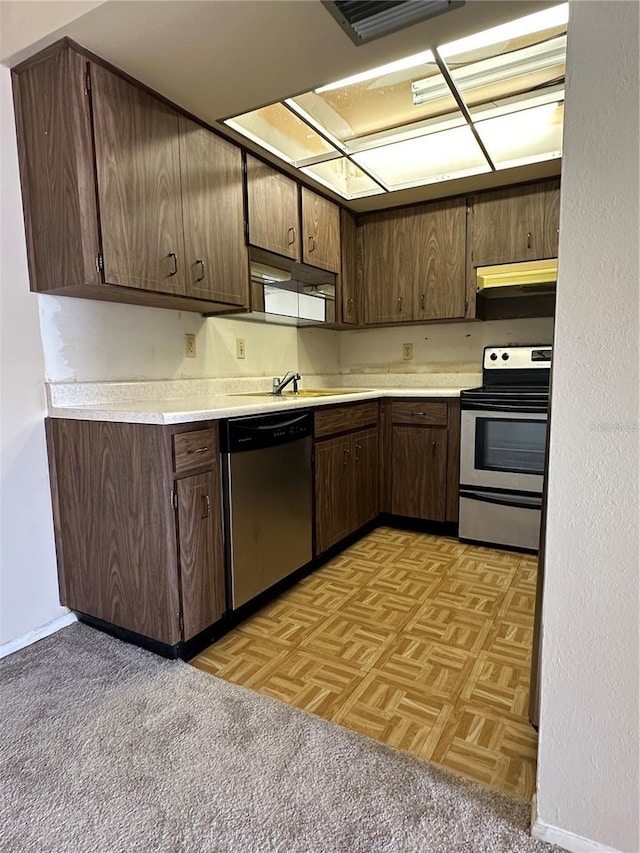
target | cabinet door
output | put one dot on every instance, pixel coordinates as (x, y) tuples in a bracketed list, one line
[(365, 503), (387, 294), (138, 174), (200, 551), (333, 476), (419, 472), (438, 251), (320, 231), (514, 225), (216, 258), (551, 219), (347, 277), (273, 210)]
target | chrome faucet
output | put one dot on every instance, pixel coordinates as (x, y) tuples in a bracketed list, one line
[(280, 384)]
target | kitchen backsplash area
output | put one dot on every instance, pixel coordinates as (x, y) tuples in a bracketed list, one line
[(89, 341)]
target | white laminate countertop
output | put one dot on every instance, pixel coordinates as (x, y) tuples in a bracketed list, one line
[(213, 407)]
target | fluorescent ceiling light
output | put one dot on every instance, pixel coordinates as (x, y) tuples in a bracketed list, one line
[(400, 65), (518, 63), (557, 16)]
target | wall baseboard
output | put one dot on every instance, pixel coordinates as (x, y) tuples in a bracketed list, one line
[(37, 634), (562, 837)]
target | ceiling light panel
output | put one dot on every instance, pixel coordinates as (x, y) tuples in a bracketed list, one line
[(425, 160), (378, 103), (282, 133), (343, 177), (528, 136)]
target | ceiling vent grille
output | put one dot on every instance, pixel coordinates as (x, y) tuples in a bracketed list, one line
[(365, 20)]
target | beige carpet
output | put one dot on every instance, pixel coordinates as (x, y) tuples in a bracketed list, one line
[(106, 747)]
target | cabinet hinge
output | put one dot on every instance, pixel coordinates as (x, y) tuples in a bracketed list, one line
[(181, 623), (87, 83), (99, 263), (174, 499)]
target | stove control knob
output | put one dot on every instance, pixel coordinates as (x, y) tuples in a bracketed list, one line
[(505, 356), (493, 356)]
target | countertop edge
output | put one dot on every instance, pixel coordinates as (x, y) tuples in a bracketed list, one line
[(168, 412)]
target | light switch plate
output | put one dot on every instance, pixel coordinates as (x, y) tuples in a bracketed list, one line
[(240, 348), (407, 352), (190, 345)]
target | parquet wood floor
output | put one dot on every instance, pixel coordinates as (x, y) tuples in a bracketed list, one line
[(419, 641)]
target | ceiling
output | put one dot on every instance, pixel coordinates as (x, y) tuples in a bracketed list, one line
[(225, 57)]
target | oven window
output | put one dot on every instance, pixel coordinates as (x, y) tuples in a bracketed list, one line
[(517, 446)]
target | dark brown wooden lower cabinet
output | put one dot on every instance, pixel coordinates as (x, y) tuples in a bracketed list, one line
[(419, 472), (200, 548), (332, 487), (346, 484), (126, 555)]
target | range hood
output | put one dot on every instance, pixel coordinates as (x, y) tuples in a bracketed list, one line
[(529, 278)]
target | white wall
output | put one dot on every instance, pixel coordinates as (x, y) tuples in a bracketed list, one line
[(90, 341), (28, 579), (589, 739), (453, 346)]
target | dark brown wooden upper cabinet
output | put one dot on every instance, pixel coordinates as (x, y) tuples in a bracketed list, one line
[(438, 259), (102, 184), (413, 263), (139, 195), (320, 231), (274, 214), (216, 258), (347, 280), (517, 224), (387, 292)]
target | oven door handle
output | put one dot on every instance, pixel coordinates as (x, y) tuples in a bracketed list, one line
[(513, 500), (524, 408)]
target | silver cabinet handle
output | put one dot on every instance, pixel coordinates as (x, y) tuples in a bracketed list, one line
[(358, 450), (346, 453), (433, 448), (528, 239), (418, 414), (350, 304), (292, 236), (206, 506), (423, 301), (399, 304), (201, 262), (198, 450), (175, 263), (312, 244)]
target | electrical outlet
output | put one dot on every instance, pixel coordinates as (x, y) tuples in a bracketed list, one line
[(190, 346), (240, 350), (407, 352)]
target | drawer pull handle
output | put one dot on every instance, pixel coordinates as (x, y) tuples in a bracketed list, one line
[(206, 506), (198, 450), (292, 236), (418, 414), (174, 258)]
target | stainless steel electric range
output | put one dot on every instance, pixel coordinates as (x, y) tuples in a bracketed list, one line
[(502, 448)]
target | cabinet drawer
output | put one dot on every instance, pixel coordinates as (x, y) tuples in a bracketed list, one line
[(344, 418), (194, 450), (415, 412)]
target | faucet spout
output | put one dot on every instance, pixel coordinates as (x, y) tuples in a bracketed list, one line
[(280, 384)]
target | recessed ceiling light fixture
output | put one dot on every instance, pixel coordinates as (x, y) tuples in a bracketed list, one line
[(556, 16), (391, 67)]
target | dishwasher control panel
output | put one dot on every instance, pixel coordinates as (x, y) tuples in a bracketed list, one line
[(255, 432)]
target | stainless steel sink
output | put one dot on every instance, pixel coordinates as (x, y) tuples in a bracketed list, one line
[(303, 392)]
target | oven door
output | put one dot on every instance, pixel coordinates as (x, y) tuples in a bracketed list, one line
[(502, 449)]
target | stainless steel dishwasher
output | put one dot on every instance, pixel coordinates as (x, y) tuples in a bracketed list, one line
[(267, 482)]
